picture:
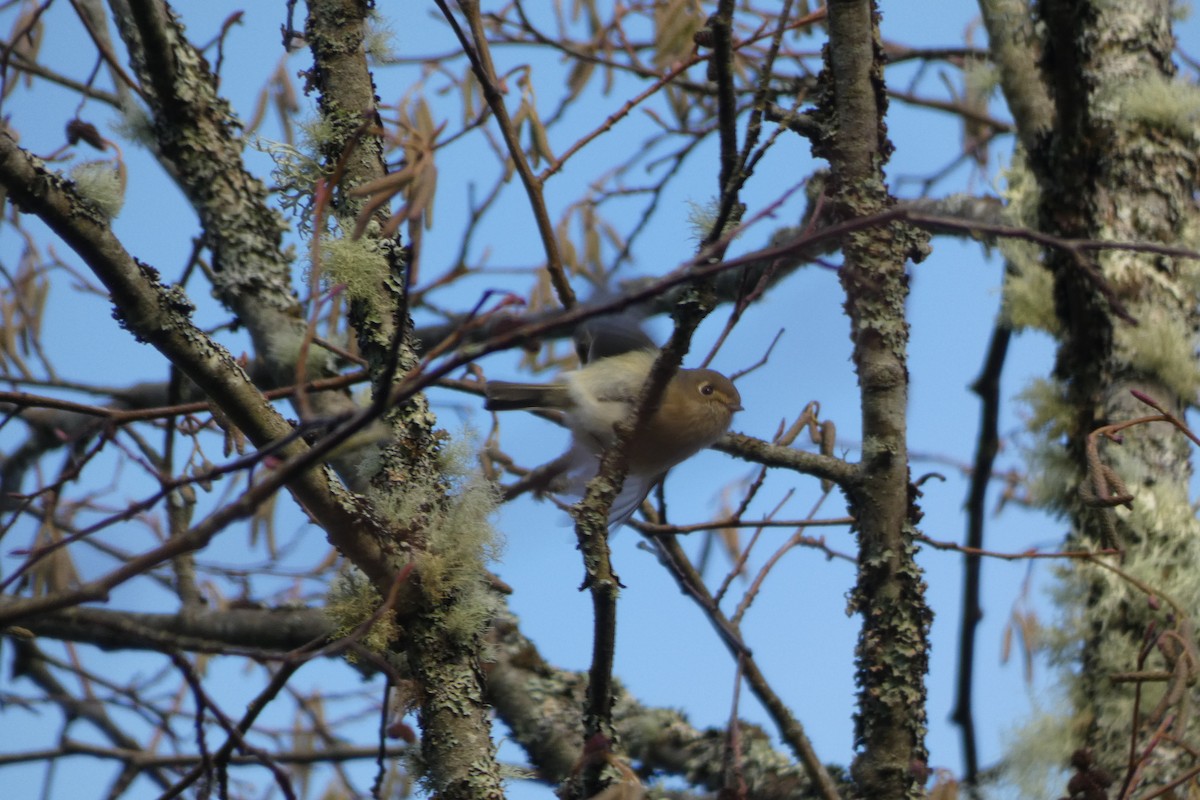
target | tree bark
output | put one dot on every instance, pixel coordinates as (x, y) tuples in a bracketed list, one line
[(893, 645)]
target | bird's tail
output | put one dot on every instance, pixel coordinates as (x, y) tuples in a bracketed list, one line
[(505, 396)]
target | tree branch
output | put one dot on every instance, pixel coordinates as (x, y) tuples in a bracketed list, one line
[(892, 652)]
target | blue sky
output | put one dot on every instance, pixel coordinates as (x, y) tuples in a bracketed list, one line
[(667, 652)]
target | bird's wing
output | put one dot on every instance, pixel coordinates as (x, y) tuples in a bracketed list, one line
[(630, 499), (583, 464), (616, 379), (613, 335)]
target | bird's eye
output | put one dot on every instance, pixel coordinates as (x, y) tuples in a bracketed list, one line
[(707, 389)]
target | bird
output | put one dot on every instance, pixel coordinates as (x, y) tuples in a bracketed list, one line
[(696, 409)]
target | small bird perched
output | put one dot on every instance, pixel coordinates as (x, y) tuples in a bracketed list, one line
[(696, 408)]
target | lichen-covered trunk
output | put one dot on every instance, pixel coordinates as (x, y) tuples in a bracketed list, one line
[(892, 652), (1120, 165), (408, 485)]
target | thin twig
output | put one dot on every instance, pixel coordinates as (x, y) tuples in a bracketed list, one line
[(478, 53), (987, 387)]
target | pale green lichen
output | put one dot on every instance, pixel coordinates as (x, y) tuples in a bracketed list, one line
[(136, 125), (1106, 630), (1188, 269), (1118, 607), (357, 264), (1052, 475), (1156, 101), (378, 43), (1019, 188), (298, 169), (1037, 752), (352, 600), (702, 217), (1028, 294), (453, 510), (1050, 411), (1163, 514), (100, 183), (1051, 471), (1158, 533), (980, 79), (1162, 344), (1027, 301), (1121, 268)]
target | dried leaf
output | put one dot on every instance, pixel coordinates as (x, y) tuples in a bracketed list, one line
[(262, 522), (591, 239), (578, 76), (56, 571), (675, 25), (424, 121), (26, 38)]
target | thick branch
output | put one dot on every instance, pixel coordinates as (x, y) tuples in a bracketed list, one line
[(539, 703), (893, 643), (196, 137), (159, 315), (1013, 47), (456, 745)]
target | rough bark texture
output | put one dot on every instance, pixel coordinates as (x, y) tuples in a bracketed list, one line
[(197, 135), (197, 138), (161, 316), (1121, 165), (1114, 158), (1011, 42), (408, 479), (538, 702), (893, 643)]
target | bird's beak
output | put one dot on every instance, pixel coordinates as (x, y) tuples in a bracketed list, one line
[(734, 407)]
